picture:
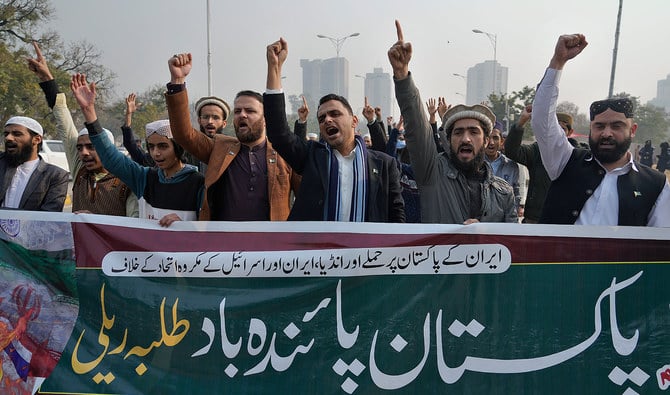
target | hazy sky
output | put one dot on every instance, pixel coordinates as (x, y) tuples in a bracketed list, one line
[(137, 37)]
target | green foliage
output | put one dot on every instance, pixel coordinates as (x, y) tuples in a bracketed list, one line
[(22, 21), (652, 122), (512, 104)]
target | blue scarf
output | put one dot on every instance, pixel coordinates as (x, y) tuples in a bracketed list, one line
[(359, 196)]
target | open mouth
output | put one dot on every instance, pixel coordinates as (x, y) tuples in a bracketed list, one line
[(332, 131), (466, 149)]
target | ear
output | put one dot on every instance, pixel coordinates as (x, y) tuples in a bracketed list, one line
[(354, 122), (633, 129), (37, 139), (224, 123), (570, 132)]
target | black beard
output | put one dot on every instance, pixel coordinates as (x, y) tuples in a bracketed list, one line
[(19, 157), (610, 156), (218, 131), (471, 168)]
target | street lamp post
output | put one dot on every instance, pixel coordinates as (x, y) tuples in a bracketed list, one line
[(494, 41), (465, 79), (337, 42), (493, 38)]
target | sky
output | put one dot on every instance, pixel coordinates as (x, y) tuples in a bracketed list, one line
[(136, 38)]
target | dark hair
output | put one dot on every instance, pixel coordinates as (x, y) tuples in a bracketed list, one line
[(178, 150), (250, 93), (33, 134), (339, 98)]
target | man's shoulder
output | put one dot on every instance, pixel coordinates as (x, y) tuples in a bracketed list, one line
[(381, 156), (52, 171)]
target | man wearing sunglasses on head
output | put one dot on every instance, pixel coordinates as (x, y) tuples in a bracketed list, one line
[(603, 186)]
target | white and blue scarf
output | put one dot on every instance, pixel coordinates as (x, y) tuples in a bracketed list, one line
[(359, 196)]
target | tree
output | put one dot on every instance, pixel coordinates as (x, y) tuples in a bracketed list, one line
[(19, 19), (22, 21), (511, 104), (580, 122), (652, 121)]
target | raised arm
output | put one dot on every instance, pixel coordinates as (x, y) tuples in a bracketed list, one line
[(131, 173), (419, 134), (136, 153), (196, 143), (65, 128), (554, 146), (276, 54), (300, 127), (513, 148)]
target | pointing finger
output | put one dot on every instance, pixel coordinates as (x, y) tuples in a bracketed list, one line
[(304, 101), (366, 101), (37, 50), (398, 29)]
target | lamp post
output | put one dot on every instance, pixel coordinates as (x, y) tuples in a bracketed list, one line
[(494, 41), (465, 79), (338, 42), (493, 38)]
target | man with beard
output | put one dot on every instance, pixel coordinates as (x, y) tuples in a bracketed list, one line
[(603, 186), (27, 182), (245, 180), (342, 180), (502, 166), (94, 189), (456, 186)]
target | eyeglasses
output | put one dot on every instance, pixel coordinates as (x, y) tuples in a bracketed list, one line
[(208, 117)]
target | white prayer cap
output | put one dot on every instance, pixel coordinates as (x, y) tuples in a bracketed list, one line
[(109, 134), (162, 128), (26, 122)]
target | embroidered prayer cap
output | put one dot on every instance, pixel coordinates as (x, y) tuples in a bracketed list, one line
[(461, 111), (207, 100), (566, 118), (27, 123), (622, 105), (161, 128), (109, 134)]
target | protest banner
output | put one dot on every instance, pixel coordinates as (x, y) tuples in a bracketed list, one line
[(361, 308)]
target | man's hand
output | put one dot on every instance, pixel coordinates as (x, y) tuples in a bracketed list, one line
[(168, 220), (303, 111), (180, 65), (131, 107), (400, 55), (85, 94), (368, 111), (276, 53), (401, 123), (567, 47), (525, 115), (442, 107), (389, 121), (39, 65), (431, 106), (378, 114)]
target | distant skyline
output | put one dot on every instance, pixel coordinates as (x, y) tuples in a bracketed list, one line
[(137, 37)]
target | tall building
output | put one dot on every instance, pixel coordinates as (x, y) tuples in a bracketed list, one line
[(323, 76), (662, 98), (480, 81), (378, 90)]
